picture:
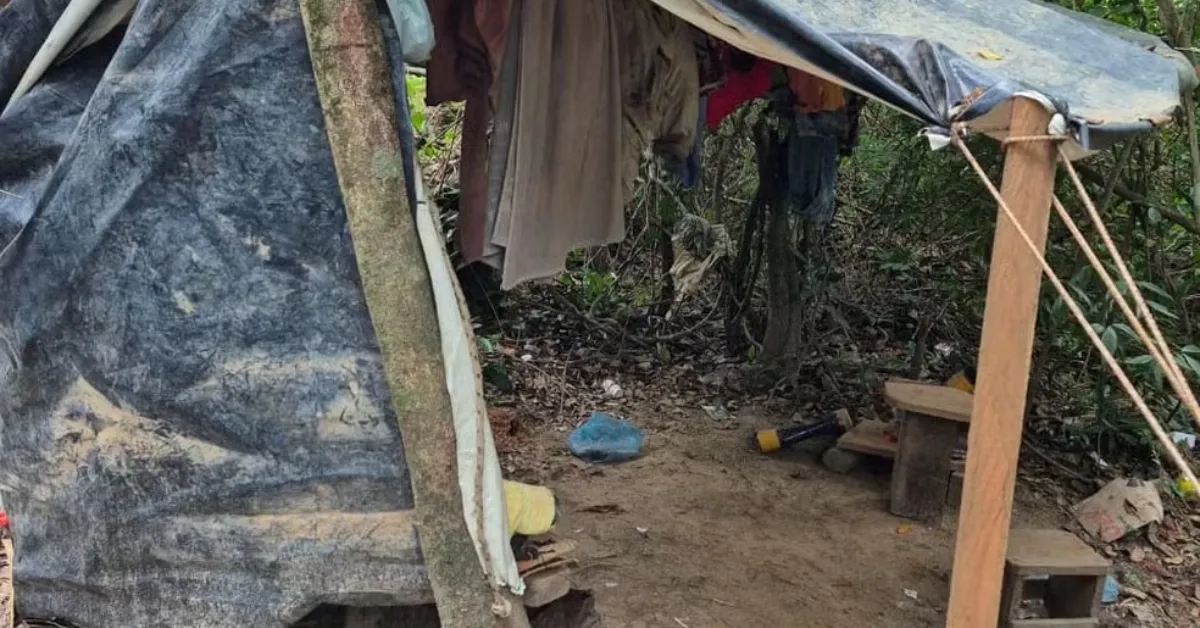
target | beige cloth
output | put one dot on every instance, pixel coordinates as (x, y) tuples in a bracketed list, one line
[(660, 85), (598, 82)]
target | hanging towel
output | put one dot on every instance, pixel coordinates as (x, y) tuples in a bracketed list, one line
[(597, 84)]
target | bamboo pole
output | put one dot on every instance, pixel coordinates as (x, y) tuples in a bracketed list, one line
[(353, 81), (1003, 375)]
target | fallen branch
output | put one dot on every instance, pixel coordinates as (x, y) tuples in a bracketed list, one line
[(1030, 447)]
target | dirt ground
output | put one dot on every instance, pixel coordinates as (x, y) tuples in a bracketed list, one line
[(701, 531)]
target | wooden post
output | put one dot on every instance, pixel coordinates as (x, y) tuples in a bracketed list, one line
[(1005, 350), (921, 473), (8, 602), (353, 80)]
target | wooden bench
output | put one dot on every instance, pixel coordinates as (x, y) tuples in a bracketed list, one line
[(1073, 573), (933, 416)]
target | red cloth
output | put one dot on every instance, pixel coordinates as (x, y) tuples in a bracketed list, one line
[(738, 88)]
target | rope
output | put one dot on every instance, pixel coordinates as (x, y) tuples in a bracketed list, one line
[(1161, 434), (1170, 368), (1032, 138)]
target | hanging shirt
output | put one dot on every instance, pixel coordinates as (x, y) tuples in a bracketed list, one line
[(739, 87), (813, 93)]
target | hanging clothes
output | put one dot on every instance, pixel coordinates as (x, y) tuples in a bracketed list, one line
[(688, 171), (813, 93), (563, 177), (465, 61), (596, 84), (660, 86), (468, 44), (746, 77), (504, 97), (710, 69), (812, 164)]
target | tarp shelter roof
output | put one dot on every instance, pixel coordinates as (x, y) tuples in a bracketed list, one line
[(947, 61)]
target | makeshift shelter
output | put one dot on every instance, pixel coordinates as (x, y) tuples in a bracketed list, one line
[(196, 423)]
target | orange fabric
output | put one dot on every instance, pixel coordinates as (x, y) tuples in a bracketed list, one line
[(814, 94)]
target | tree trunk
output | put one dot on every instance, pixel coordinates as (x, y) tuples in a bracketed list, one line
[(666, 257), (785, 300)]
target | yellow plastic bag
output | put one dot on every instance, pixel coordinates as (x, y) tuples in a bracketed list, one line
[(531, 509)]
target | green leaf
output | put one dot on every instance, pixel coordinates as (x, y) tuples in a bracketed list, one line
[(1161, 309), (1081, 296), (1188, 362), (1191, 349), (1123, 328), (1140, 360), (1109, 338), (1149, 287)]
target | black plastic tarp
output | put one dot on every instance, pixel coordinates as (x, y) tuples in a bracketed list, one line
[(945, 61), (194, 424)]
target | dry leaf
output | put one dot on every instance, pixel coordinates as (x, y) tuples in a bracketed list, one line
[(1173, 560), (903, 529), (1137, 554), (989, 55)]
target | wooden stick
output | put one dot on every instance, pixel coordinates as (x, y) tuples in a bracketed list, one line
[(353, 80), (1003, 376)]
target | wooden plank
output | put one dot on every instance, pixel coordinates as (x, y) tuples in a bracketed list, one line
[(546, 587), (1011, 596), (871, 438), (1053, 552), (929, 399), (353, 79), (921, 475), (1003, 375), (954, 491)]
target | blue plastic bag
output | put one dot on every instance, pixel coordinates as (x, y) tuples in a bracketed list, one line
[(604, 438), (1112, 590)]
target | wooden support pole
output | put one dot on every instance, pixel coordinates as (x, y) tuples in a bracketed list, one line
[(354, 84), (1005, 350), (8, 602)]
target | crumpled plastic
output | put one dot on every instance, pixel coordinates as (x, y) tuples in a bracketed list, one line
[(605, 438), (415, 28)]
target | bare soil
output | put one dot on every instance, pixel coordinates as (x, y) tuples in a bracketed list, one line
[(702, 531)]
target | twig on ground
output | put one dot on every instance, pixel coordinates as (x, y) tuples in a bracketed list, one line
[(1030, 447)]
